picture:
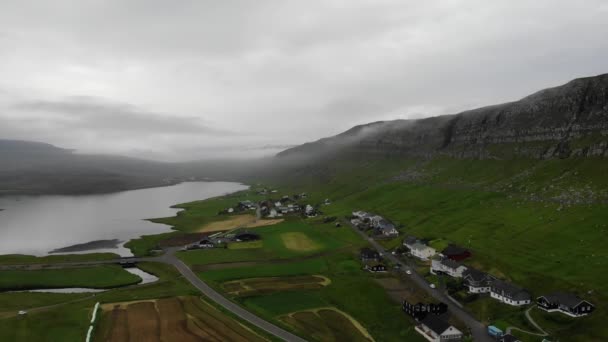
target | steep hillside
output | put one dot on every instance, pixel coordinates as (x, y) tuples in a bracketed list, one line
[(561, 122)]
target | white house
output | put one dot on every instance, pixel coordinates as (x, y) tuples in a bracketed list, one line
[(509, 293), (435, 329), (447, 266), (273, 213), (421, 251)]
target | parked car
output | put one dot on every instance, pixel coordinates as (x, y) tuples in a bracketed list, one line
[(432, 286), (409, 272)]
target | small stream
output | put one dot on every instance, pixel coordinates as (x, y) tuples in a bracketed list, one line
[(146, 278)]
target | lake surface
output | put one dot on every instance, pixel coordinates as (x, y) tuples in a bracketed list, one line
[(38, 224)]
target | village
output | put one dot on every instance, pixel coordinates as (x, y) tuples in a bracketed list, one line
[(443, 270), (432, 317)]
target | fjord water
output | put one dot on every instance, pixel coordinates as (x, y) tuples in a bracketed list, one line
[(38, 224)]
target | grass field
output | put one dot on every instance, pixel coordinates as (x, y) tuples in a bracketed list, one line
[(327, 324), (506, 212), (187, 319), (260, 286), (106, 276), (298, 241), (19, 259), (289, 239)]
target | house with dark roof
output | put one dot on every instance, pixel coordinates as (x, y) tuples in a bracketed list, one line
[(368, 254), (386, 228), (456, 253), (246, 236), (509, 293), (435, 329), (509, 338), (409, 241), (477, 281), (375, 267), (447, 266), (206, 243), (566, 303), (420, 310)]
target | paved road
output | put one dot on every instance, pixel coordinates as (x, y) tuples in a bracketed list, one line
[(478, 330), (170, 258)]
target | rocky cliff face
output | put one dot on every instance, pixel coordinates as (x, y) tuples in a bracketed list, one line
[(561, 122)]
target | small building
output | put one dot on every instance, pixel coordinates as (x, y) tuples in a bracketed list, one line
[(409, 241), (273, 213), (509, 338), (246, 236), (310, 211), (422, 251), (435, 329), (368, 254), (420, 310), (206, 243), (509, 293), (456, 253), (566, 303), (375, 220), (477, 281), (447, 266), (387, 229), (246, 205), (359, 214), (375, 267)]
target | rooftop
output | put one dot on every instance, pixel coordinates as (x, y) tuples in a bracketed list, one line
[(435, 323)]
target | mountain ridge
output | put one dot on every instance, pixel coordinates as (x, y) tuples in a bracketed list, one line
[(546, 124)]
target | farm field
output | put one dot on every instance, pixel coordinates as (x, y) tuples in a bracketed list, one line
[(236, 221), (327, 324), (104, 276), (186, 319)]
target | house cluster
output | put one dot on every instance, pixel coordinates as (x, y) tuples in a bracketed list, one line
[(372, 261), (219, 240), (381, 226), (447, 262), (265, 191), (239, 208), (287, 205)]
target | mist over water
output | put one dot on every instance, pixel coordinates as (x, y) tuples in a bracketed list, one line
[(38, 224)]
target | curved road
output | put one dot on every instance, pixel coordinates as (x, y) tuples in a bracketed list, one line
[(170, 258)]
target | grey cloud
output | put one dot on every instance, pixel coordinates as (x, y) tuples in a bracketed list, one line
[(193, 78), (97, 114)]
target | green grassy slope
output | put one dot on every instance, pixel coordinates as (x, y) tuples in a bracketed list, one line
[(541, 224)]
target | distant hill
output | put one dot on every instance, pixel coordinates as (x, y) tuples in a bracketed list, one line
[(566, 121), (32, 167)]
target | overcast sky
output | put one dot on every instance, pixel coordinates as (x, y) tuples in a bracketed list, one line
[(179, 80)]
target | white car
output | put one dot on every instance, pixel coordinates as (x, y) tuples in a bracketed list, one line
[(22, 312), (408, 272), (432, 286)]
